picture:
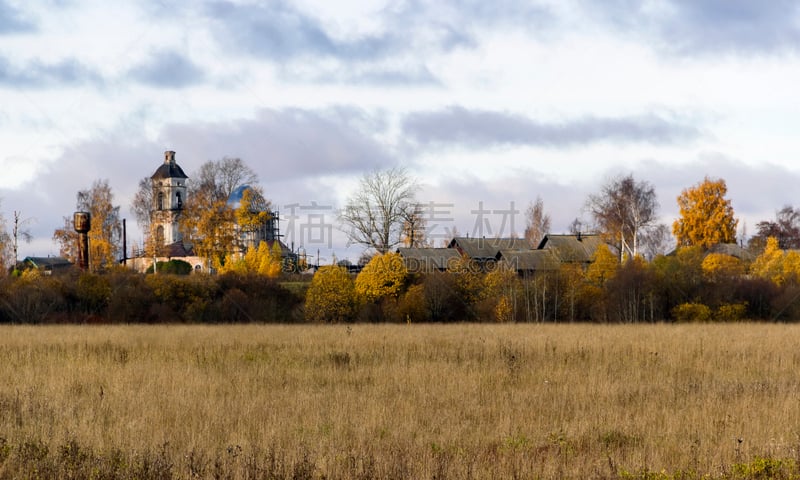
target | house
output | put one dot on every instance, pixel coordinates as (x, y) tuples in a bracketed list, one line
[(572, 248), (529, 262), (426, 260), (484, 250), (46, 265), (732, 249)]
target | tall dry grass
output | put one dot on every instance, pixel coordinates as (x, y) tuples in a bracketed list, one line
[(398, 401)]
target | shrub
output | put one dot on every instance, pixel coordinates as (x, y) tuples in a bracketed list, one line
[(174, 267), (411, 307), (384, 276), (331, 297), (691, 312), (731, 312)]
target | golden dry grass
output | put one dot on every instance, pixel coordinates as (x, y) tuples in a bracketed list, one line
[(399, 401)]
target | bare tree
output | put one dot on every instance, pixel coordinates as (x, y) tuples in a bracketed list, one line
[(19, 231), (656, 241), (785, 228), (623, 210), (413, 235), (142, 203), (5, 241), (576, 226), (537, 222), (375, 214), (220, 178)]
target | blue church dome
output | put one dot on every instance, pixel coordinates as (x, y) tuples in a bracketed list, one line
[(235, 198)]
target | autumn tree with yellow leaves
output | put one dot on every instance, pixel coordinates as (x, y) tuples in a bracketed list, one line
[(207, 221), (706, 216), (778, 266), (331, 297), (265, 260), (500, 288), (719, 266), (384, 276), (106, 228)]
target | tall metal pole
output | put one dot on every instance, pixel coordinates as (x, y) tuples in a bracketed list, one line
[(124, 243)]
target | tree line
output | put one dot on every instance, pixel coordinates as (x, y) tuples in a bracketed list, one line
[(632, 279)]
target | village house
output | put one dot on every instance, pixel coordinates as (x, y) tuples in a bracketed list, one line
[(514, 253)]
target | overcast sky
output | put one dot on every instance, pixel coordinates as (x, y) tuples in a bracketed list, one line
[(488, 103)]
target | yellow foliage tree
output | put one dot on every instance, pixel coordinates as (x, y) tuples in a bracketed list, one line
[(706, 216), (270, 261), (264, 260), (331, 297), (719, 266), (604, 266), (208, 224), (384, 276), (105, 232), (499, 287), (770, 264), (468, 278), (791, 266)]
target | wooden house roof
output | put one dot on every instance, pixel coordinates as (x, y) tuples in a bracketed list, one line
[(487, 248), (47, 263), (732, 249), (578, 248)]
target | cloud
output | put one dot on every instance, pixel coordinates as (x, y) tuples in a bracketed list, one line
[(169, 69), (289, 143), (701, 27), (276, 31), (37, 74), (458, 16), (484, 128), (12, 21), (373, 76)]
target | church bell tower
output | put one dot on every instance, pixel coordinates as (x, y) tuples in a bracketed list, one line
[(169, 198)]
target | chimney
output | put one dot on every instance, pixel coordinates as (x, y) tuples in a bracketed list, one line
[(169, 157)]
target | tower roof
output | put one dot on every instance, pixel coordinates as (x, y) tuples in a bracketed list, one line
[(169, 169)]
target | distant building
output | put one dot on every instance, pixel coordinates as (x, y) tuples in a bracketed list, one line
[(45, 265), (170, 195), (529, 262), (578, 248), (486, 251)]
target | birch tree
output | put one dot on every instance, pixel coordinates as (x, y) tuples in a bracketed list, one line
[(375, 214), (706, 216), (623, 210), (537, 223)]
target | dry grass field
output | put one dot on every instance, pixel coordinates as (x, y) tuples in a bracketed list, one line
[(400, 401)]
